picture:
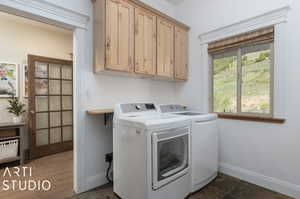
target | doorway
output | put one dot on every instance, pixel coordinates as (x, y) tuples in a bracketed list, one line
[(43, 79)]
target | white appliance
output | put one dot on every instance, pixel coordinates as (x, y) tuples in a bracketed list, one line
[(204, 144), (151, 153)]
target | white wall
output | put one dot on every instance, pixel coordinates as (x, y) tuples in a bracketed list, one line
[(267, 149), (267, 152), (20, 37), (103, 91), (93, 140)]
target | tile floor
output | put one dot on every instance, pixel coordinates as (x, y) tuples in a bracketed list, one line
[(224, 187)]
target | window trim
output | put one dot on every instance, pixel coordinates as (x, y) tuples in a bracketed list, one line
[(252, 118), (239, 114)]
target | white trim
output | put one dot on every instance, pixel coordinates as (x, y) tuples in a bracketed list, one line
[(207, 79), (24, 66), (279, 84), (80, 60), (94, 181), (263, 20), (50, 13), (45, 11), (268, 182), (279, 17)]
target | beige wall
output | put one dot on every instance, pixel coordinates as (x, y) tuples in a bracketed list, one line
[(20, 37)]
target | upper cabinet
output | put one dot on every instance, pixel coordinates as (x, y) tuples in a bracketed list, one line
[(119, 35), (165, 49), (132, 37), (113, 36), (181, 54), (145, 42)]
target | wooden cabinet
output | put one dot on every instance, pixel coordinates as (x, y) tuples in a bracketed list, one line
[(113, 35), (10, 132), (165, 48), (119, 35), (181, 53), (132, 37), (145, 42)]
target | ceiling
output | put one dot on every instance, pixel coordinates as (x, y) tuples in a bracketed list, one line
[(175, 1)]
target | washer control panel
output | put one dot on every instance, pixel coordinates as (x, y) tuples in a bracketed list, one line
[(138, 107), (169, 108)]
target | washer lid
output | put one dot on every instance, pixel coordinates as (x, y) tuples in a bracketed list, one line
[(153, 121), (171, 108), (198, 115), (190, 113)]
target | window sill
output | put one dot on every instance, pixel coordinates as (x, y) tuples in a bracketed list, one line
[(252, 118)]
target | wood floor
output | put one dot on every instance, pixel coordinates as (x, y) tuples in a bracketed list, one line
[(58, 169)]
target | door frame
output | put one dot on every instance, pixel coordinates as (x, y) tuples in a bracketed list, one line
[(81, 26)]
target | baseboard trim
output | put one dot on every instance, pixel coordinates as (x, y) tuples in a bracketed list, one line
[(271, 183), (95, 181)]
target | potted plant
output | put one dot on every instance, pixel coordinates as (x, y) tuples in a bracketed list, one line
[(16, 108)]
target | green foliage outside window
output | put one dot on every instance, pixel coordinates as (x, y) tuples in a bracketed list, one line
[(255, 83)]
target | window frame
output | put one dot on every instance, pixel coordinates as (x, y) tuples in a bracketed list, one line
[(239, 82)]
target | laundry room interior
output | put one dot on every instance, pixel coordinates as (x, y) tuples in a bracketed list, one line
[(157, 99)]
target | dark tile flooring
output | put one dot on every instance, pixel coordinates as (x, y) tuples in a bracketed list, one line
[(223, 187)]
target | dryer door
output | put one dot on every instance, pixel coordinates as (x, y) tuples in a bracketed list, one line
[(170, 155)]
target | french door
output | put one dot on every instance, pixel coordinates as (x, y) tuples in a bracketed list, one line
[(50, 105)]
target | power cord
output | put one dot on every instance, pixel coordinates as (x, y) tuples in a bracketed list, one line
[(109, 174)]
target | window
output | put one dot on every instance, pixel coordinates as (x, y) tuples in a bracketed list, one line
[(242, 74), (243, 80), (225, 82)]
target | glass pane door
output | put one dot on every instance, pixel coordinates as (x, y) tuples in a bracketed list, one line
[(172, 156), (51, 105)]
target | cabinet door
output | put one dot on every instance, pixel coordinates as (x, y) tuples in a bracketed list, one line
[(145, 42), (119, 35), (165, 48), (181, 54)]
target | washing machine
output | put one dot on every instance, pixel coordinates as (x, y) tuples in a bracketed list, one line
[(151, 153), (204, 144)]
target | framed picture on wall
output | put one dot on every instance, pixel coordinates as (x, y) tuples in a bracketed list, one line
[(8, 79), (25, 80)]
